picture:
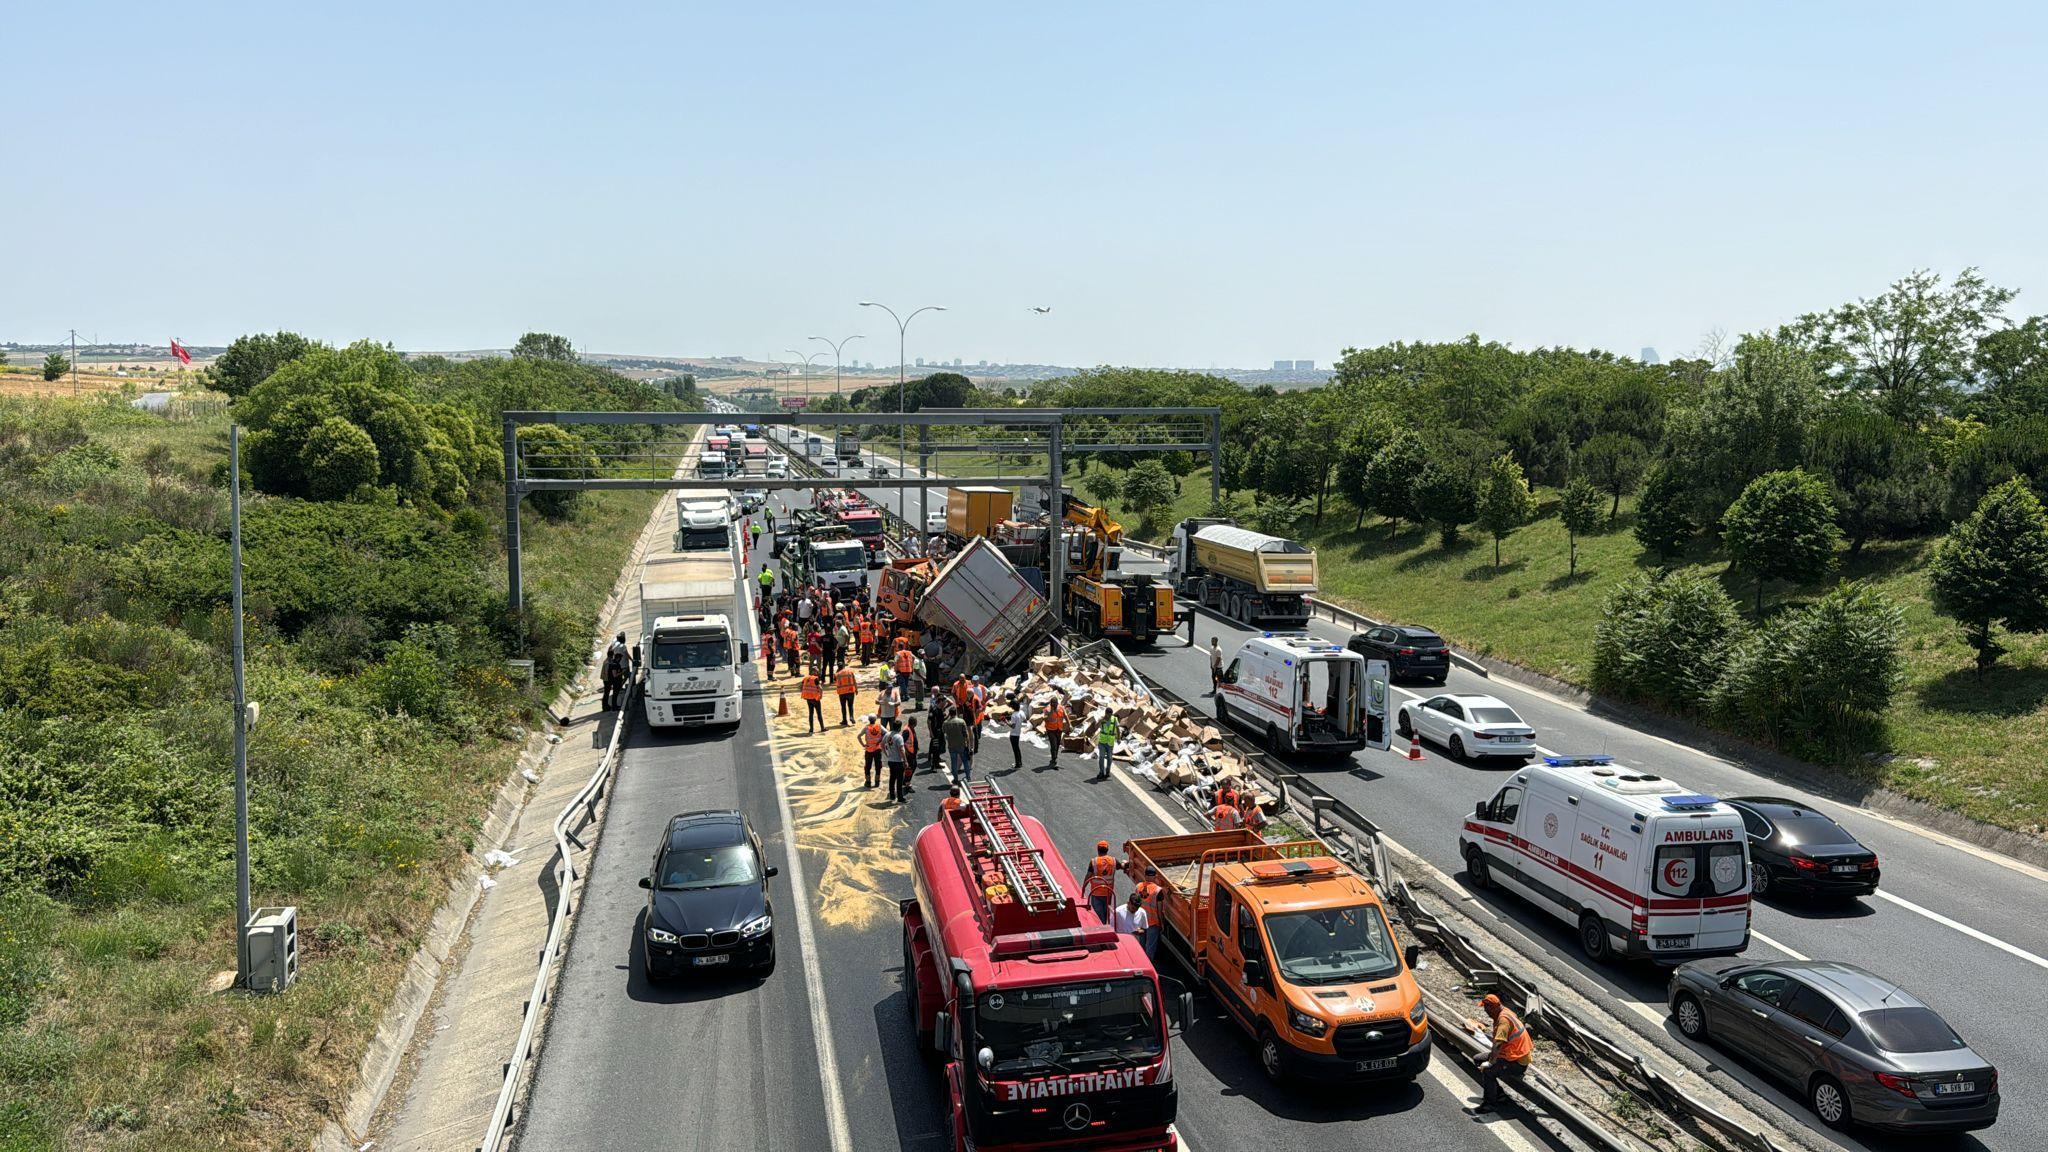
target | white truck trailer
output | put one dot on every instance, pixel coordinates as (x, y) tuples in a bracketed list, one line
[(690, 650), (980, 597)]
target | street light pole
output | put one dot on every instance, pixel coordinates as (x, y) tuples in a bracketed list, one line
[(902, 357), (807, 358), (835, 358)]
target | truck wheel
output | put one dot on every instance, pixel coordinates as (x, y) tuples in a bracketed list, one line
[(923, 1034), (1475, 867), (1269, 1055), (1593, 938), (1273, 743)]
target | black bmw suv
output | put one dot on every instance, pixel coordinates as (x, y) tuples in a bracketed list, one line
[(1411, 653), (707, 898)]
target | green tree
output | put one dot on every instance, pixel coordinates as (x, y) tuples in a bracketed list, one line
[(1446, 497), (55, 364), (1781, 527), (1909, 346), (1614, 462), (250, 360), (1805, 676), (1879, 471), (1663, 639), (1390, 479), (1991, 570), (341, 459), (1664, 523), (2013, 365), (1148, 488), (1279, 516), (544, 346), (1354, 466), (1751, 418), (1505, 502), (555, 452), (1102, 486), (1981, 459), (1579, 509)]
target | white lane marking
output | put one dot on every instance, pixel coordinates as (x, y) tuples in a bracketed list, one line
[(1965, 929), (814, 977), (1456, 1083), (1794, 953)]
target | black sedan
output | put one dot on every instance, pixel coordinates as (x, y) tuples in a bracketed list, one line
[(1411, 653), (707, 898), (1794, 849), (1860, 1049)]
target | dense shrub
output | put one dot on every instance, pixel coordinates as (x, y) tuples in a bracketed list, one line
[(1663, 640), (1810, 673)]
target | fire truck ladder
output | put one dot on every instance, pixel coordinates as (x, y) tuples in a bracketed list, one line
[(1023, 862)]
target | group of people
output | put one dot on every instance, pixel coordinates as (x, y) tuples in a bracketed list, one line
[(1138, 913)]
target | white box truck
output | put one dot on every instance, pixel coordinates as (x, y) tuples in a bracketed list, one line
[(690, 651), (981, 597)]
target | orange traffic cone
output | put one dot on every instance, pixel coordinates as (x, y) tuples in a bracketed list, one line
[(1414, 746), (782, 708)]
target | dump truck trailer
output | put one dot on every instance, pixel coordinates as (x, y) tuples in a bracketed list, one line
[(1260, 580)]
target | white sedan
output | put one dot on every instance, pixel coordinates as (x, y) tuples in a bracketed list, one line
[(1468, 725)]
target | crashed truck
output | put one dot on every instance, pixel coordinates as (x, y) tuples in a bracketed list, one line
[(981, 598)]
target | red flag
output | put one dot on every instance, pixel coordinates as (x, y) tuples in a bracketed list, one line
[(178, 350)]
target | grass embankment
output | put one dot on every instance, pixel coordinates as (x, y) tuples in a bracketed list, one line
[(116, 860), (1951, 738)]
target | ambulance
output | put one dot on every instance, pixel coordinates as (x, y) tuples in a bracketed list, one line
[(1640, 866), (1299, 694)]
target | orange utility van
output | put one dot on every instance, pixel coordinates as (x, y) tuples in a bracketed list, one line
[(1296, 947)]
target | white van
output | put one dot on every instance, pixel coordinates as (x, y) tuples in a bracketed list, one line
[(1298, 693), (1640, 866), (711, 466)]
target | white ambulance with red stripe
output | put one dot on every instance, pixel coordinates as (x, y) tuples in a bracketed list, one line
[(1640, 866)]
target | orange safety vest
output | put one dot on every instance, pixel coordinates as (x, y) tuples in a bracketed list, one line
[(871, 738), (1517, 1047), (1223, 818), (1102, 876), (847, 687), (1056, 718), (867, 630), (1148, 899), (789, 638), (903, 659), (960, 691), (949, 803), (811, 689), (980, 695)]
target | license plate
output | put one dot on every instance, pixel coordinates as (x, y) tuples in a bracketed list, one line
[(1956, 1088), (708, 961), (1672, 941), (1380, 1065), (1844, 868)]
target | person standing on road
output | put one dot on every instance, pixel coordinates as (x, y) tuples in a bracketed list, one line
[(754, 533), (847, 688), (903, 665), (1148, 894), (1055, 728), (919, 686), (1215, 666), (887, 703), (1105, 746), (843, 649), (1224, 817), (806, 607), (1101, 881), (1020, 713), (909, 766), (935, 723), (871, 738), (1129, 919), (814, 703), (866, 634), (1511, 1054), (978, 696), (957, 751), (892, 757)]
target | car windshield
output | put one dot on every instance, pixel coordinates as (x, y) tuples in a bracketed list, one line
[(1912, 1029), (702, 540), (1495, 716), (842, 558), (1333, 945), (1069, 1027), (714, 866), (674, 654)]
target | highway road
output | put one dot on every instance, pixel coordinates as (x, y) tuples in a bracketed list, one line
[(1960, 926)]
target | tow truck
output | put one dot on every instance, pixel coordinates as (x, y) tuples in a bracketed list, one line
[(1050, 1024)]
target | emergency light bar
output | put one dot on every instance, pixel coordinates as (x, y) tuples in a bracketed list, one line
[(1689, 802), (1578, 761), (1291, 869)]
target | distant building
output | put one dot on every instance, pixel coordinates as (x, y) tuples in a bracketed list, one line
[(1650, 356), (956, 362), (1304, 365), (1283, 365), (920, 361)]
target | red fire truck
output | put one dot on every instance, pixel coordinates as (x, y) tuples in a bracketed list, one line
[(1050, 1024), (861, 518)]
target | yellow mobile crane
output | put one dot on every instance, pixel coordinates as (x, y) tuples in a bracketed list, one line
[(1109, 591)]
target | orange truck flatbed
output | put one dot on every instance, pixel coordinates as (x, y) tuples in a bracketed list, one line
[(1296, 947)]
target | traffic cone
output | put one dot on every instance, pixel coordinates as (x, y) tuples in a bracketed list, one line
[(1414, 746), (782, 708)]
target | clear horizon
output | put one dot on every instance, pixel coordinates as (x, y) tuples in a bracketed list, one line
[(1183, 186)]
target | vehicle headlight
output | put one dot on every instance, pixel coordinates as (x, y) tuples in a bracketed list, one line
[(661, 936), (758, 926), (1418, 1014), (1303, 1022)]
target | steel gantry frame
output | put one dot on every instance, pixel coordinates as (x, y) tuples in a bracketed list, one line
[(521, 479)]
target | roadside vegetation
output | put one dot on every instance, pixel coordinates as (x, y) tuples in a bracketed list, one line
[(378, 642)]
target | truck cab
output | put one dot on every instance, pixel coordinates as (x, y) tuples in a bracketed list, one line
[(1297, 948), (825, 553), (692, 670), (1297, 693)]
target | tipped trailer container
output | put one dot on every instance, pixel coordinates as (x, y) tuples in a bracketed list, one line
[(1049, 1024), (1296, 947), (1256, 579), (981, 597)]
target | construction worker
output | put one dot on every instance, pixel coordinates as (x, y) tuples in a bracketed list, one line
[(961, 690), (1101, 881), (892, 760), (909, 765), (952, 800), (1055, 727), (865, 632), (847, 688), (1147, 893), (767, 582), (754, 532), (871, 745), (814, 702), (1105, 746), (956, 747), (1248, 811), (903, 665), (1215, 666), (1511, 1054), (978, 696), (768, 649), (792, 649), (1224, 817)]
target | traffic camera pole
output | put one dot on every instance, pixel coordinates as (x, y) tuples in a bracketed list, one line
[(241, 711)]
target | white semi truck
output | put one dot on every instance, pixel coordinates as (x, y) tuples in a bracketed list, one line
[(690, 650)]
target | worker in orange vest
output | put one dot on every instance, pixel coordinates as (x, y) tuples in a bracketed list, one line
[(871, 746), (961, 694), (902, 663), (847, 687), (1055, 727), (814, 703), (952, 800), (979, 694), (1249, 812), (865, 630), (1224, 817), (1148, 898), (1512, 1051), (1101, 881)]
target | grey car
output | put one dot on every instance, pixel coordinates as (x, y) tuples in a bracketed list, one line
[(1860, 1049)]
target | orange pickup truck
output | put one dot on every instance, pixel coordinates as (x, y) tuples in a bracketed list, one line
[(1296, 947)]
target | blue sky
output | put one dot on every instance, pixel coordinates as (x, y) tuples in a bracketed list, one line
[(1184, 184)]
